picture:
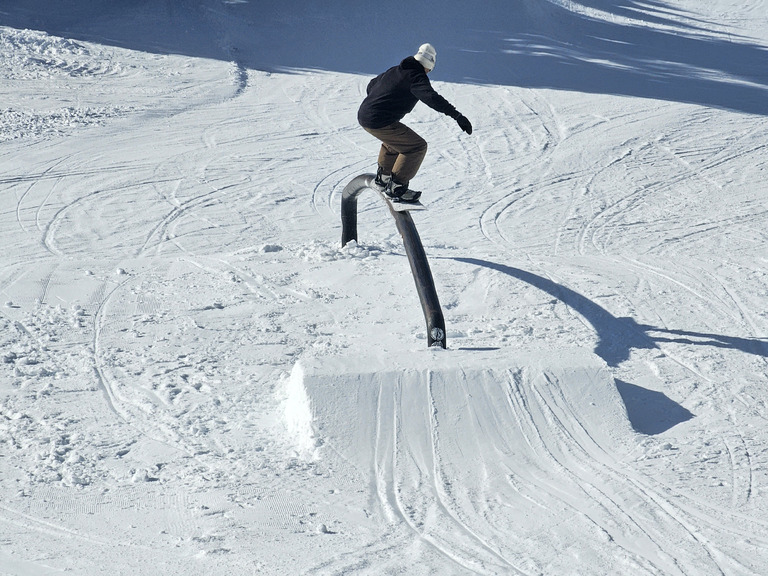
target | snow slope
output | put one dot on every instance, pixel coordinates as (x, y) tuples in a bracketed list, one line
[(197, 378)]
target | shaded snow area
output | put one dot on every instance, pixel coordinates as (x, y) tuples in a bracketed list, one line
[(197, 378)]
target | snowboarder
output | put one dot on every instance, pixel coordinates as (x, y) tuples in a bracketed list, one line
[(392, 95)]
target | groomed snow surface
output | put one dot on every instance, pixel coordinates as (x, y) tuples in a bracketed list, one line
[(196, 378)]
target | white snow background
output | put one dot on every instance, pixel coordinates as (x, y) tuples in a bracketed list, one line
[(197, 379)]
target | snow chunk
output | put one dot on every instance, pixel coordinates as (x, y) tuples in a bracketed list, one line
[(28, 123), (323, 252), (29, 54)]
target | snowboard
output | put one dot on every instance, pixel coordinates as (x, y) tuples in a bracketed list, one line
[(396, 205)]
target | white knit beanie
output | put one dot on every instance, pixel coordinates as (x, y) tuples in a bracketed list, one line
[(426, 56)]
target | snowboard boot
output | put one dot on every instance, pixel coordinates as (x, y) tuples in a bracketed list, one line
[(382, 180), (400, 192)]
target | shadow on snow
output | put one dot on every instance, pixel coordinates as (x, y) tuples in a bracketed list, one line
[(646, 49), (649, 412), (617, 337)]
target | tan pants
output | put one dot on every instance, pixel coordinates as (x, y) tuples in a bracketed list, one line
[(402, 151)]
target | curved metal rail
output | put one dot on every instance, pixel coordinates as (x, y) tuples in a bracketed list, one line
[(422, 275)]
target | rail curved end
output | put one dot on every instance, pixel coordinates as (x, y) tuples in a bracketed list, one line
[(349, 206)]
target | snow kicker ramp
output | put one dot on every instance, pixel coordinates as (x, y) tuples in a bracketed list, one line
[(478, 462)]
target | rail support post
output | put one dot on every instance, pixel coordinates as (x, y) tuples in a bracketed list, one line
[(417, 258)]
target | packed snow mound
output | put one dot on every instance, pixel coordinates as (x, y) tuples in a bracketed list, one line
[(518, 428), (466, 388)]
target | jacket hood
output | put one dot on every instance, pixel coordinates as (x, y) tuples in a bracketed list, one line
[(411, 63)]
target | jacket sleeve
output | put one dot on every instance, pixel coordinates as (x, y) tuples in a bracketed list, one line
[(422, 89), (372, 83)]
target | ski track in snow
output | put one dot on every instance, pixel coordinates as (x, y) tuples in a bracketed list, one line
[(170, 258)]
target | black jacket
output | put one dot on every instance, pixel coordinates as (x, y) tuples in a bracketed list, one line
[(394, 93)]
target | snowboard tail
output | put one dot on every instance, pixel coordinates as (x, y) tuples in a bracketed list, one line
[(400, 206)]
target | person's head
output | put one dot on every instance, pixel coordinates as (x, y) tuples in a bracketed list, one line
[(426, 56)]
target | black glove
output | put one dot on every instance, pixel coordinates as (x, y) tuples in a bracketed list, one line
[(464, 124)]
